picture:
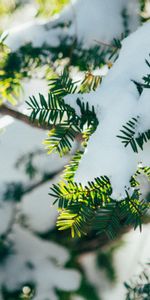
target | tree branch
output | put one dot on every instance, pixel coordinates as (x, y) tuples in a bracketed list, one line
[(5, 110)]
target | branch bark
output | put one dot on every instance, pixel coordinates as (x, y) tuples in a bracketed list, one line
[(5, 110)]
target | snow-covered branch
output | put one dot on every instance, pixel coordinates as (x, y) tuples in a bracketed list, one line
[(83, 20)]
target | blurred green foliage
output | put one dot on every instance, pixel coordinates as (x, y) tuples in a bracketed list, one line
[(15, 66), (45, 8), (19, 294), (105, 260), (48, 8), (8, 6), (139, 287)]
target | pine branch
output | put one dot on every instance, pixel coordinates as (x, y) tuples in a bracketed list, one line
[(130, 136), (94, 193), (66, 123), (109, 215), (144, 85), (72, 167), (90, 82), (62, 85), (139, 288), (114, 215), (77, 218), (142, 170), (5, 110), (133, 209), (49, 112), (55, 112), (108, 220), (60, 138)]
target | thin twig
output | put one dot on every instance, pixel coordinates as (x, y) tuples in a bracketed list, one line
[(5, 110), (105, 44)]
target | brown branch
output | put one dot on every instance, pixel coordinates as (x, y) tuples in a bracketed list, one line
[(105, 44), (90, 243), (5, 110)]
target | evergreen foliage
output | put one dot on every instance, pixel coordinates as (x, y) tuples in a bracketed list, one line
[(19, 64), (83, 208), (145, 171), (48, 9), (142, 4), (61, 137), (146, 80), (18, 294), (5, 249), (139, 288), (72, 167), (26, 162), (22, 63), (56, 112), (49, 112), (13, 191), (8, 7), (131, 137), (105, 260), (63, 85), (131, 134)]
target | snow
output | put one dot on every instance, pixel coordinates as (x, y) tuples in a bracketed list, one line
[(38, 215), (129, 259), (46, 258), (17, 140), (88, 23), (143, 108), (94, 13), (26, 12), (116, 101), (35, 211), (38, 211)]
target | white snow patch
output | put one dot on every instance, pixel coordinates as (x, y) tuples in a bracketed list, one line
[(47, 260), (89, 23), (38, 210), (116, 101)]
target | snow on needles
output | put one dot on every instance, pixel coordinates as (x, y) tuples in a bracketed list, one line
[(89, 21), (116, 101)]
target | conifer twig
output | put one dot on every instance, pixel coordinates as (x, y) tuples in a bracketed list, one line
[(5, 110)]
